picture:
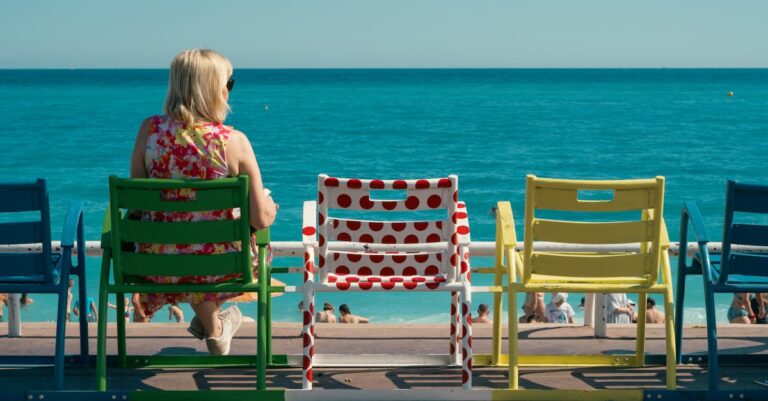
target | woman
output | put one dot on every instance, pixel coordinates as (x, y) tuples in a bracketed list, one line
[(190, 142)]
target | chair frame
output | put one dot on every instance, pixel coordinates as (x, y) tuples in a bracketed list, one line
[(34, 197), (739, 197), (112, 239), (658, 249), (457, 279)]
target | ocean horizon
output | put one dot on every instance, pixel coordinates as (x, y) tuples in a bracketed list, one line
[(491, 127)]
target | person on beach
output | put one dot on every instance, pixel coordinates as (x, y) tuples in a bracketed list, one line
[(740, 311), (534, 308), (326, 315), (759, 303), (26, 300), (69, 298), (348, 317), (190, 141), (482, 314), (3, 302), (653, 315), (558, 310), (128, 309), (618, 308), (91, 312)]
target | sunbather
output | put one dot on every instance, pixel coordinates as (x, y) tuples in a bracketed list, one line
[(326, 315), (482, 314), (348, 317)]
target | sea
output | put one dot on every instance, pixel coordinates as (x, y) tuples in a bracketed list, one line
[(491, 127)]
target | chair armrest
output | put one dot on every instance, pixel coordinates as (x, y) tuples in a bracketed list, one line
[(309, 223), (72, 223), (507, 238), (462, 225), (106, 230), (691, 211), (692, 215)]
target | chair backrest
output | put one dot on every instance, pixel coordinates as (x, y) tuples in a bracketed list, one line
[(595, 222), (130, 197), (745, 198), (428, 247), (27, 267)]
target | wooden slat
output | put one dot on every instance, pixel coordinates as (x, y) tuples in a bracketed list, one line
[(19, 198), (749, 234), (574, 232), (180, 233), (567, 200), (21, 264), (150, 199), (143, 264), (590, 264), (748, 264), (25, 232)]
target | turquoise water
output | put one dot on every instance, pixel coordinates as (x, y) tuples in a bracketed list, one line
[(490, 127)]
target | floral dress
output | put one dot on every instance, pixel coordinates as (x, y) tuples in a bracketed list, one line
[(177, 151)]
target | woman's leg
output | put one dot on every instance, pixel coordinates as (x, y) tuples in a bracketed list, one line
[(208, 313)]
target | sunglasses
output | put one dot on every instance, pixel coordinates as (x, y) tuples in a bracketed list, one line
[(230, 84)]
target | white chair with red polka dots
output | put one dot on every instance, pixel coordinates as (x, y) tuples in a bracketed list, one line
[(417, 254)]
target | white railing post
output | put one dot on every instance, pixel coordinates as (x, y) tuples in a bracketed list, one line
[(600, 319), (14, 315), (589, 310)]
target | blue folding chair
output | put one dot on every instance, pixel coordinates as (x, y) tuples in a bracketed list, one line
[(44, 272), (736, 270)]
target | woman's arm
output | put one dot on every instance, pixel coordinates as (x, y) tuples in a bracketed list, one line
[(138, 170), (242, 160)]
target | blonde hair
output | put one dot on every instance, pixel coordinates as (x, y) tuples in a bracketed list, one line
[(196, 87)]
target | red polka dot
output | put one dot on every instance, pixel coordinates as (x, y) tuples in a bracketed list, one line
[(398, 258), (306, 256), (320, 219), (354, 257), (439, 225), (342, 270), (387, 286), (320, 197), (444, 183), (458, 216), (335, 223), (433, 238), (354, 183), (331, 182), (344, 237), (431, 270), (364, 271), (377, 258), (377, 184), (353, 225), (433, 286), (308, 230), (374, 279), (307, 317), (439, 256), (399, 184), (411, 239), (421, 258), (322, 261), (456, 197), (352, 279), (306, 276), (307, 363), (332, 279), (453, 347), (307, 340), (396, 279), (376, 226), (409, 271), (420, 225), (344, 200), (365, 285), (336, 256), (389, 205), (422, 184), (464, 376), (439, 279), (454, 259), (454, 239), (388, 239), (366, 238), (409, 285), (321, 240), (343, 286), (464, 310), (419, 279), (464, 267), (366, 203), (398, 226), (434, 201), (412, 202), (463, 230), (387, 271)]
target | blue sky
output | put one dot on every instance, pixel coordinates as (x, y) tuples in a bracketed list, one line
[(387, 33)]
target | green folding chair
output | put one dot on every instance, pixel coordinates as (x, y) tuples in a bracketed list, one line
[(121, 232)]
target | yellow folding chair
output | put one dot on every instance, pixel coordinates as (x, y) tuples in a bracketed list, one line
[(575, 270)]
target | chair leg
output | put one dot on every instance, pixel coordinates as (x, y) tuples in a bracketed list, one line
[(466, 339), (709, 303), (61, 324), (669, 321), (83, 318), (642, 299), (121, 348), (261, 339), (454, 349), (512, 317), (497, 309), (101, 339), (679, 299), (308, 335)]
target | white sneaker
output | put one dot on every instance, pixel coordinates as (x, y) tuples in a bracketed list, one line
[(231, 318)]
